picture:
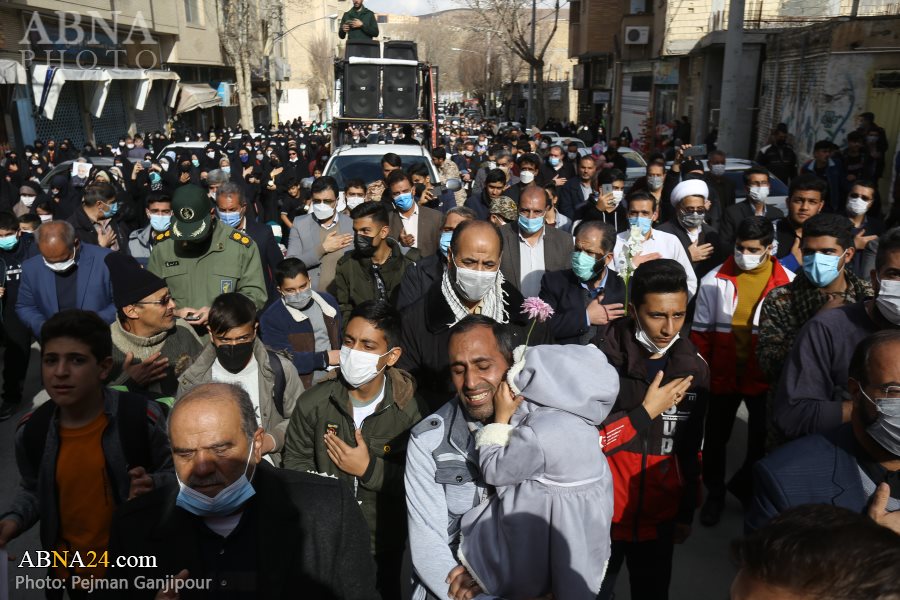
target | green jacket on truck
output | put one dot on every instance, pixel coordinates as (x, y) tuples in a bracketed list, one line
[(380, 491), (369, 27)]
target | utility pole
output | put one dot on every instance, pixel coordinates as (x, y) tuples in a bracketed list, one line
[(531, 67), (730, 101)]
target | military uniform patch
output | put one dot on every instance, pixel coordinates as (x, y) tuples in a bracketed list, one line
[(331, 428), (227, 285), (172, 263), (241, 239)]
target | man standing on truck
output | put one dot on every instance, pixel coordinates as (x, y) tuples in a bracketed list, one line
[(358, 23)]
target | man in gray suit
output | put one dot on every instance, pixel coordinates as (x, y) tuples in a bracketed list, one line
[(321, 238), (413, 225), (530, 248)]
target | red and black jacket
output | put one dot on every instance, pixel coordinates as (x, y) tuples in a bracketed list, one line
[(655, 463)]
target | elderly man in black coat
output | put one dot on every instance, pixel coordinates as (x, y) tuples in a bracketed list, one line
[(238, 527), (589, 295), (471, 284)]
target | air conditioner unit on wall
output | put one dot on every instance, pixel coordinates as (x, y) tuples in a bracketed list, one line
[(637, 36)]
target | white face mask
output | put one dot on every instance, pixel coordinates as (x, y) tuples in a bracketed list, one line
[(748, 262), (354, 201), (60, 267), (857, 206), (45, 218), (526, 177), (888, 300), (359, 368), (323, 211), (27, 200), (211, 154), (474, 285), (617, 197), (644, 340), (758, 194)]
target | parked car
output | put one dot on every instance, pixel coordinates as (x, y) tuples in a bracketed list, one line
[(65, 168), (364, 162), (734, 170)]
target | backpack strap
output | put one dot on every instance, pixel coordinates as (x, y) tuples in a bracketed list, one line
[(37, 426), (280, 381)]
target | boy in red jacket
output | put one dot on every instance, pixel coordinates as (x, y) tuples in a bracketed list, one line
[(654, 461)]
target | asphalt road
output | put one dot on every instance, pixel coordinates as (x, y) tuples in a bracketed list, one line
[(701, 571)]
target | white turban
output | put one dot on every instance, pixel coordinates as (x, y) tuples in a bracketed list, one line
[(689, 187)]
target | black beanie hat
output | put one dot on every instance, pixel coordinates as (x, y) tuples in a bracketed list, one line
[(130, 282)]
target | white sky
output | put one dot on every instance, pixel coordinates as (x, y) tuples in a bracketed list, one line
[(402, 7)]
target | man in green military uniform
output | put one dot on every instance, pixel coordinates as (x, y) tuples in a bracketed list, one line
[(201, 258), (358, 23)]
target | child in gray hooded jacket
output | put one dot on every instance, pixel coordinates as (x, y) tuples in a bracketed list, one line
[(547, 527)]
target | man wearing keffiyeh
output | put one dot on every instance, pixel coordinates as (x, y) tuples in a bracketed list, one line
[(472, 284)]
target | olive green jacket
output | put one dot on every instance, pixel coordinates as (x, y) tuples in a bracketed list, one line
[(369, 27), (231, 263), (355, 284), (326, 406)]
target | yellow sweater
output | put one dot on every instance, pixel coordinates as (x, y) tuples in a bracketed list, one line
[(750, 286)]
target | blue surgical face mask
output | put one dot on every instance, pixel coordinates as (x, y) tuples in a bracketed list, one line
[(821, 269), (645, 223), (9, 242), (530, 225), (226, 502), (113, 209), (226, 169), (160, 222), (245, 158), (404, 201), (584, 266), (195, 162), (232, 219), (554, 161), (445, 242)]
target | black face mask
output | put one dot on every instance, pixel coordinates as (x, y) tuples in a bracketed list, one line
[(363, 245), (420, 189), (234, 358)]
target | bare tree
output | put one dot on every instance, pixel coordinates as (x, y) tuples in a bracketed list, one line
[(240, 35), (321, 71), (512, 20)]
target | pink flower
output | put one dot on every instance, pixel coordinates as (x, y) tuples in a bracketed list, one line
[(537, 309)]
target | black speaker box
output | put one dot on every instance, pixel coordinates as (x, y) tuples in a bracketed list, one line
[(361, 91), (362, 48), (399, 87), (401, 49)]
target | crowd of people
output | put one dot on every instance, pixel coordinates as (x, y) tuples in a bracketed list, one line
[(508, 383)]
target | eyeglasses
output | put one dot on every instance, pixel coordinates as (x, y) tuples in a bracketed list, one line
[(164, 301), (694, 211)]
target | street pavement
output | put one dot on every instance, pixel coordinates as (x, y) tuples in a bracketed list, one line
[(702, 570)]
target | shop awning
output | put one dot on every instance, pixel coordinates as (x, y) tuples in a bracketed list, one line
[(48, 81), (12, 72), (192, 96)]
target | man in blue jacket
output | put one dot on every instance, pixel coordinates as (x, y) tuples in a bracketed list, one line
[(846, 466), (67, 274)]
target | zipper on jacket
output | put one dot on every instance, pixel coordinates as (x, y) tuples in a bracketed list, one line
[(640, 503)]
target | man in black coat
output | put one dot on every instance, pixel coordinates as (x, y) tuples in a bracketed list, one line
[(98, 221), (472, 284), (238, 527), (756, 182), (15, 247), (574, 195), (420, 276), (588, 296), (231, 209)]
